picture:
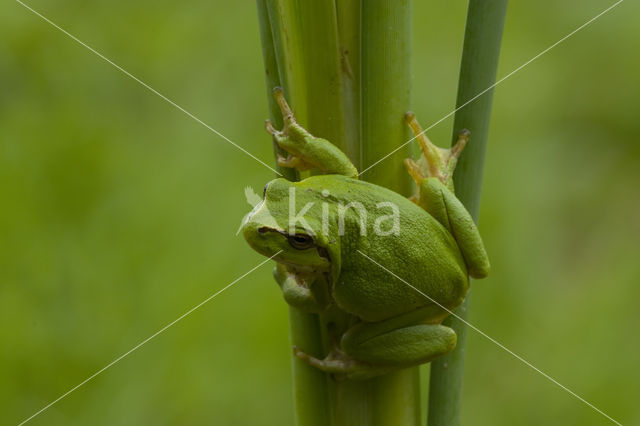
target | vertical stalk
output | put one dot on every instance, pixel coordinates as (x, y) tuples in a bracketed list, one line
[(385, 96), (272, 77), (331, 102), (385, 85), (348, 12), (323, 71), (287, 49), (483, 36), (310, 386)]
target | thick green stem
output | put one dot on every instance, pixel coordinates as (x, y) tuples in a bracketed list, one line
[(483, 36), (323, 71), (386, 86), (348, 12), (310, 385), (385, 82), (331, 101)]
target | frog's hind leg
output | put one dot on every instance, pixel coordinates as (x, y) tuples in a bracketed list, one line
[(371, 349)]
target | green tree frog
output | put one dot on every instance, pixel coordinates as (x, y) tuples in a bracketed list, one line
[(326, 230)]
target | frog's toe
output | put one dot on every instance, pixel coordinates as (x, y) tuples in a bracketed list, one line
[(268, 125), (287, 114), (340, 365), (330, 364), (463, 138), (294, 162), (414, 170)]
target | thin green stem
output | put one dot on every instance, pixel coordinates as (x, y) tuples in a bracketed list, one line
[(272, 77), (483, 36), (288, 50)]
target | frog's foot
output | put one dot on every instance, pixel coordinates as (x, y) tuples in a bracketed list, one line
[(371, 349), (305, 151), (434, 161), (463, 138), (291, 138), (287, 115), (340, 365), (418, 176), (306, 296)]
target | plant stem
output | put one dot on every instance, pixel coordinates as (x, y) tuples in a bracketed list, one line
[(348, 14), (386, 85), (288, 50), (323, 71), (483, 36), (385, 94), (272, 77), (330, 115), (310, 386)]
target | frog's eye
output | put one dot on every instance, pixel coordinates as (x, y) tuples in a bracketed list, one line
[(300, 241)]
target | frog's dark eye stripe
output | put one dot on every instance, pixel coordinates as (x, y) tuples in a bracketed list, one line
[(300, 241), (264, 191)]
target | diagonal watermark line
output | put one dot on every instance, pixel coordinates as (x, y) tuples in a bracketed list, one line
[(145, 85), (491, 339), (590, 21), (146, 340)]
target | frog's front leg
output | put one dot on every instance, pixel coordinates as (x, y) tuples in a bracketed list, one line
[(435, 162), (305, 150), (371, 349), (308, 295)]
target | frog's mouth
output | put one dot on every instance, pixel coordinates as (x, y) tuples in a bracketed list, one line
[(290, 261), (299, 267)]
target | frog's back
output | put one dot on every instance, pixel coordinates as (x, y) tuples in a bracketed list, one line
[(421, 252)]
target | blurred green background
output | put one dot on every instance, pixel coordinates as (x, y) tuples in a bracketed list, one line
[(118, 214)]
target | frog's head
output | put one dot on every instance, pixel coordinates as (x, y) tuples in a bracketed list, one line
[(300, 243)]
